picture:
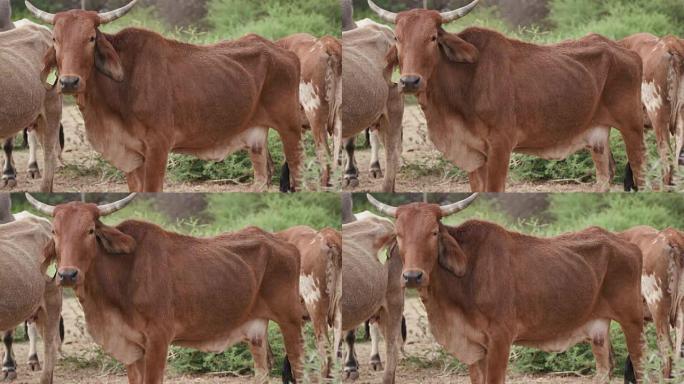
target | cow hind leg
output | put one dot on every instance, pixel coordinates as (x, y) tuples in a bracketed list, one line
[(258, 152), (258, 346), (292, 149), (599, 146), (33, 362), (664, 341), (9, 365), (292, 335), (633, 136), (601, 348), (375, 361), (9, 173), (351, 172), (351, 365), (633, 335), (375, 169)]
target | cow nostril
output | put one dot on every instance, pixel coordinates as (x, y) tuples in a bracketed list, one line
[(414, 277), (68, 275), (410, 81), (69, 81)]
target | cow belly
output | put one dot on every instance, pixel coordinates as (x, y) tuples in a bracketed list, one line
[(596, 138), (364, 283), (456, 335), (109, 330), (594, 330), (254, 139), (252, 331)]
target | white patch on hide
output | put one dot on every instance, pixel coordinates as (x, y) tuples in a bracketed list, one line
[(650, 289), (650, 96), (309, 290), (308, 97)]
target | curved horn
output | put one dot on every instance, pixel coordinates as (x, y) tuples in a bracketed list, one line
[(457, 207), (108, 209), (42, 15), (41, 207), (388, 16), (458, 13), (110, 16), (382, 207)]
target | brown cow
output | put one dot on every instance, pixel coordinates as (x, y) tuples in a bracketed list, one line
[(143, 96), (662, 286), (485, 288), (320, 284), (143, 288), (661, 93), (320, 89), (485, 96)]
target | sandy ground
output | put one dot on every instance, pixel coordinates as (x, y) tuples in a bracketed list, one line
[(420, 343), (420, 154)]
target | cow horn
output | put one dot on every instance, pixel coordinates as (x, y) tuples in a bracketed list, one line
[(41, 207), (110, 16), (42, 15), (110, 208), (388, 16), (458, 13), (457, 207), (382, 207)]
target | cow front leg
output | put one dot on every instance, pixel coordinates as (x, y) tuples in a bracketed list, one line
[(33, 170), (156, 351), (258, 346), (478, 179), (392, 136), (9, 173), (351, 365), (498, 161), (33, 361), (375, 168), (155, 167), (136, 179), (601, 348), (9, 365), (478, 372), (48, 321), (498, 351), (136, 372), (375, 360)]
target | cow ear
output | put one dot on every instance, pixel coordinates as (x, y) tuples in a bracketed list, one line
[(114, 241), (107, 60), (49, 62), (49, 255), (392, 60), (451, 256), (457, 49)]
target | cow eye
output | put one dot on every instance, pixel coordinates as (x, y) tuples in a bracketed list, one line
[(435, 233), (92, 39), (53, 231), (434, 38), (91, 231)]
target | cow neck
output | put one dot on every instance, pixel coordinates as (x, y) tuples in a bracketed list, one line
[(106, 280), (449, 86)]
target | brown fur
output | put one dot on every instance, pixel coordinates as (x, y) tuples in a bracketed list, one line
[(143, 96), (143, 288), (486, 288), (485, 96)]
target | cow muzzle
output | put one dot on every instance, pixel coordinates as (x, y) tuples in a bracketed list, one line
[(413, 278), (69, 84), (67, 277), (410, 83)]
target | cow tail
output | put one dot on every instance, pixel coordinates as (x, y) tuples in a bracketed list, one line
[(287, 375), (674, 74), (333, 90), (675, 268), (333, 280), (630, 376), (285, 186), (629, 183)]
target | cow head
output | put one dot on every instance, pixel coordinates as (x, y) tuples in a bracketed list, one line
[(78, 236), (79, 46), (424, 242), (421, 42)]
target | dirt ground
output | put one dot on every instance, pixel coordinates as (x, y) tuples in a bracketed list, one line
[(420, 154), (80, 363)]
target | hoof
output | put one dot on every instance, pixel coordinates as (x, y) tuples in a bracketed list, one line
[(9, 181), (34, 364), (351, 181), (9, 375), (375, 363), (33, 172), (376, 173), (350, 374)]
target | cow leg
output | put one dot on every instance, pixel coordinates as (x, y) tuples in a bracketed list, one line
[(679, 332), (9, 365), (601, 348), (600, 153), (679, 141), (259, 154), (392, 137), (258, 346), (665, 346), (292, 149), (351, 365), (390, 324), (375, 169), (319, 121), (136, 372), (375, 360), (498, 161), (633, 335), (136, 179), (9, 173), (48, 319), (47, 129), (351, 172), (156, 351), (33, 362), (633, 136), (478, 179), (156, 158), (292, 337), (323, 344), (33, 170), (478, 372), (498, 350)]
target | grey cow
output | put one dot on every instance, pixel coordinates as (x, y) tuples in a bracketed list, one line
[(370, 99), (25, 291), (24, 99), (371, 289)]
